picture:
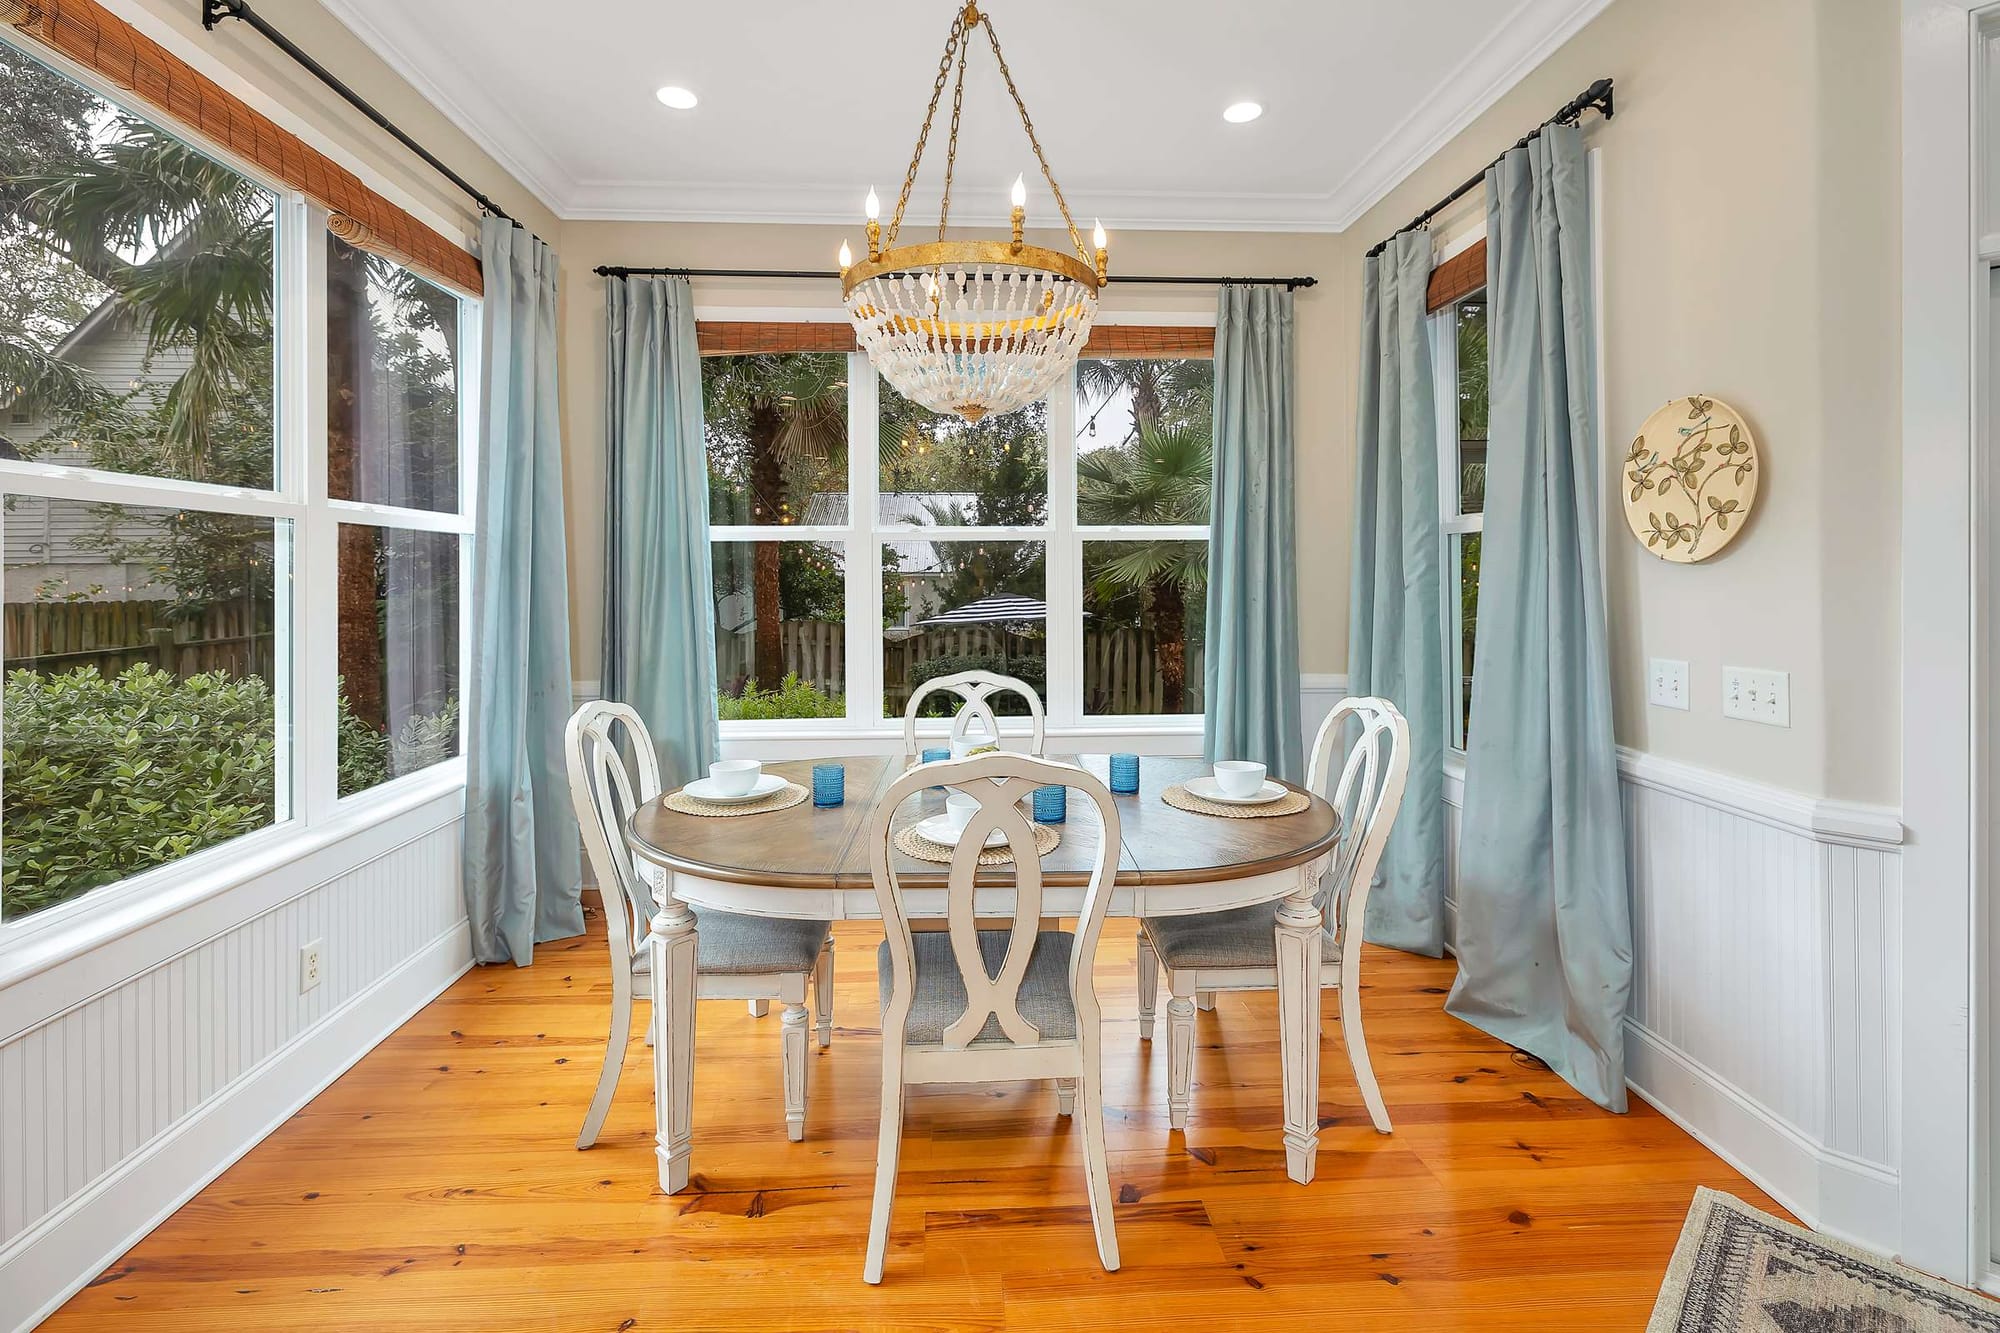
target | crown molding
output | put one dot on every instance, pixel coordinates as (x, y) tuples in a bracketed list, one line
[(514, 147), (1528, 36)]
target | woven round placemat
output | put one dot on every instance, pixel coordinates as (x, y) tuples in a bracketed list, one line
[(783, 799), (1180, 798), (912, 843)]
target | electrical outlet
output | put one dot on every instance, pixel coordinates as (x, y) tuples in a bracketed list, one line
[(310, 966), (1757, 696), (1667, 683)]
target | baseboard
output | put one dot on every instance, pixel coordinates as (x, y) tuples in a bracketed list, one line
[(52, 1262), (1829, 1191)]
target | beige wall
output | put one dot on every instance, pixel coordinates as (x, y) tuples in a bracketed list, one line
[(1749, 186), (1325, 332)]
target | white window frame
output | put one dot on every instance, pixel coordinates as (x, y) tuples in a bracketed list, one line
[(1452, 523), (864, 727), (309, 813)]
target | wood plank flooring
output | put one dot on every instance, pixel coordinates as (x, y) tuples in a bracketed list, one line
[(437, 1185)]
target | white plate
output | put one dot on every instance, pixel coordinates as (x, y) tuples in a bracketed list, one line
[(938, 829), (703, 789), (1208, 789)]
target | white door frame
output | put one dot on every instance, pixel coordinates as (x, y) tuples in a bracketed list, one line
[(1944, 1129)]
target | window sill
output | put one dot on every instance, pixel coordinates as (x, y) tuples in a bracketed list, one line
[(810, 737), (63, 934)]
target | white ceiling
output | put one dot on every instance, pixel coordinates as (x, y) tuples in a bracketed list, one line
[(806, 103)]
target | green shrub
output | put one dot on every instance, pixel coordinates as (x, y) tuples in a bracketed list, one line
[(361, 753), (106, 777), (1032, 670), (793, 698)]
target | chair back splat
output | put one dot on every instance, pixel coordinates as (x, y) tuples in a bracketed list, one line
[(975, 689), (606, 790), (1367, 796)]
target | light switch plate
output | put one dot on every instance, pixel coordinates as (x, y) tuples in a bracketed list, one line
[(1667, 683), (1754, 695)]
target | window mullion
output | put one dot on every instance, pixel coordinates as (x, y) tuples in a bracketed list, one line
[(1064, 562), (864, 547), (315, 590)]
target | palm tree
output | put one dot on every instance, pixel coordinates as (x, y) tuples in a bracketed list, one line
[(1163, 476), (1161, 471), (771, 414)]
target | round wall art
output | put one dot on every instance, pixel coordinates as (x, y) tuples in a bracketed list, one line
[(1690, 479)]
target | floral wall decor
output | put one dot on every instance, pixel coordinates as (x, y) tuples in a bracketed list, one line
[(1690, 479)]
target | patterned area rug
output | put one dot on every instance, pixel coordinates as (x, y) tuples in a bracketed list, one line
[(1737, 1270)]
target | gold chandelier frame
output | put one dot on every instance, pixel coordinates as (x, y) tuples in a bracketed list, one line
[(1085, 269)]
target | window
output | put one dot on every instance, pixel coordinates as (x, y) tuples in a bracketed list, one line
[(392, 461), (173, 547), (863, 544), (1461, 359)]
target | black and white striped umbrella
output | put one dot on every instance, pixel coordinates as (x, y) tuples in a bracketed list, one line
[(993, 610)]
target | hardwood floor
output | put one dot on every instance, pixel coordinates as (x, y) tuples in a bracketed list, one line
[(437, 1186)]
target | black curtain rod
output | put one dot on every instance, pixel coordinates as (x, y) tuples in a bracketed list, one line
[(1597, 95), (622, 271), (214, 11)]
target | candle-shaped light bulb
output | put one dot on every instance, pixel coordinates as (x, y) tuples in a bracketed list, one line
[(1097, 237), (846, 256), (872, 205), (1020, 194), (1099, 240)]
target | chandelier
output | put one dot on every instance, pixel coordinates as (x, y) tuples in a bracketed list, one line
[(976, 328)]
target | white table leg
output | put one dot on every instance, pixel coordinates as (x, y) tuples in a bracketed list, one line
[(673, 944), (1298, 939)]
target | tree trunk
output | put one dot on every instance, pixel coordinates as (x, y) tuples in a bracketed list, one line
[(767, 490), (1170, 641), (349, 335)]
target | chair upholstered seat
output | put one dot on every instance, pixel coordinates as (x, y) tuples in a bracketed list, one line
[(1240, 937), (731, 945), (940, 991)]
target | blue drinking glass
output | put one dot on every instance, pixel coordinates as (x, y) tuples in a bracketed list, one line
[(1124, 773), (936, 757), (1051, 804), (829, 784)]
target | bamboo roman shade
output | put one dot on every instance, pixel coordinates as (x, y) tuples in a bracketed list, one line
[(730, 338), (107, 45), (1458, 277)]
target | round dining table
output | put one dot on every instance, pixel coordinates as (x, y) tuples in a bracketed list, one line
[(811, 863)]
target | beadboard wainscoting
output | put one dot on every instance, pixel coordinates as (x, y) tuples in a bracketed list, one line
[(132, 1075), (1765, 1006)]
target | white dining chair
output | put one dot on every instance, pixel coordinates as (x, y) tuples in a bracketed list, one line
[(971, 1005), (736, 957), (975, 690), (1237, 950)]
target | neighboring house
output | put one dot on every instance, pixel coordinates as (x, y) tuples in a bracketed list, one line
[(917, 564), (49, 552)]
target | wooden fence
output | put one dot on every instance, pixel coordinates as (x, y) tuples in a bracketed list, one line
[(112, 636), (1121, 667)]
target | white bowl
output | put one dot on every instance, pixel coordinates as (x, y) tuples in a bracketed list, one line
[(961, 746), (1239, 777), (959, 809), (734, 777)]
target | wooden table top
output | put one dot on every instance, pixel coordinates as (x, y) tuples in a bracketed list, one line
[(809, 848)]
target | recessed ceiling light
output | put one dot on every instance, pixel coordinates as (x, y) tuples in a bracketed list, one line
[(1238, 113), (680, 99)]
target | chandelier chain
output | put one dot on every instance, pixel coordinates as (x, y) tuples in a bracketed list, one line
[(937, 92), (951, 146), (1033, 141)]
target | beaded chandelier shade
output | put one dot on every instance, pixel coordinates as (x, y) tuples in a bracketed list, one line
[(975, 328)]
